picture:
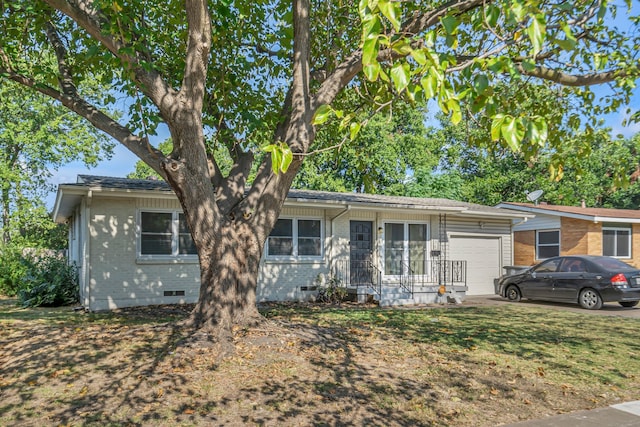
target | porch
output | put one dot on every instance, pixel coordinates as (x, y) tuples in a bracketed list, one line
[(403, 283)]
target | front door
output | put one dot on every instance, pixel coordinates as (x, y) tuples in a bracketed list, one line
[(361, 249)]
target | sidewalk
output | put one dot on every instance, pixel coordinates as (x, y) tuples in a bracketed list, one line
[(621, 415)]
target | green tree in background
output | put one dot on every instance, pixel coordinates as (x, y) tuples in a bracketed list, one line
[(37, 136), (378, 160)]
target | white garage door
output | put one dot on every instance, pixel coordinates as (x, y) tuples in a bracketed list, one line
[(483, 261)]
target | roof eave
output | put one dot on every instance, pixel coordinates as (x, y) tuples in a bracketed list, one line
[(592, 218)]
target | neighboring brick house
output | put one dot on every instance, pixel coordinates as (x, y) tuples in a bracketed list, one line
[(574, 230), (129, 239)]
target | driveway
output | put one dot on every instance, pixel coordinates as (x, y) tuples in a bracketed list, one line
[(608, 309)]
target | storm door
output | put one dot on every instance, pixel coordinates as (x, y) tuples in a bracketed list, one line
[(361, 249)]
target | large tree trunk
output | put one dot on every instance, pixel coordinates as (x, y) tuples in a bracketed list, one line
[(228, 273), (228, 226)]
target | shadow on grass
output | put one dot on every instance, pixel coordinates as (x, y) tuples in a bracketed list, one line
[(334, 366), (75, 366)]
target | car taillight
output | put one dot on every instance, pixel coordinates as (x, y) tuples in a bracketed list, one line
[(619, 281)]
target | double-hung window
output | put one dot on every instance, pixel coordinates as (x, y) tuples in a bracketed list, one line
[(405, 249), (164, 234), (616, 241), (547, 244), (295, 237)]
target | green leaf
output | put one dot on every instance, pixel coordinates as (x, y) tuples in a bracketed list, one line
[(354, 129), (496, 126), (456, 113), (539, 131), (322, 114), (450, 24), (512, 132), (430, 85), (492, 14), (518, 11), (276, 159), (400, 75), (569, 42), (419, 56), (363, 11), (371, 71), (281, 156), (287, 158), (480, 83), (391, 10), (537, 32), (402, 47), (370, 51), (371, 27)]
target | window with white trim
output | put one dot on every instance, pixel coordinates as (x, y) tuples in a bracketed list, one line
[(547, 244), (616, 241), (405, 248), (164, 234), (295, 237)]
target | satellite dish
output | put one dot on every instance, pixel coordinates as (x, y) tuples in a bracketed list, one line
[(534, 195)]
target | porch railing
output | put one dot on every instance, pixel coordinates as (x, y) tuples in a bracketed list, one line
[(358, 273), (410, 275)]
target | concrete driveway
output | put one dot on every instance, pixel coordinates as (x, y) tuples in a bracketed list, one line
[(608, 309)]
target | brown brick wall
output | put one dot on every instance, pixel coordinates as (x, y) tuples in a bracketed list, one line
[(574, 237), (635, 246), (577, 237), (594, 238), (524, 247)]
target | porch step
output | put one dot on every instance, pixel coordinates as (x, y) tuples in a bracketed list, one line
[(392, 296)]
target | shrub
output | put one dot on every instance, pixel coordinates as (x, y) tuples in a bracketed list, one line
[(331, 291), (12, 270), (49, 281)]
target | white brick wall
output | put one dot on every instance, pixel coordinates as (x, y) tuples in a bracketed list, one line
[(117, 279)]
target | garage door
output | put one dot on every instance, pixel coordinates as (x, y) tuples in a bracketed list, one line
[(483, 261)]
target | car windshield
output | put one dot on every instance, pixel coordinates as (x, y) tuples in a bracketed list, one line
[(612, 264)]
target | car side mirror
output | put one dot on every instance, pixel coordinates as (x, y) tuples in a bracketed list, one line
[(533, 274)]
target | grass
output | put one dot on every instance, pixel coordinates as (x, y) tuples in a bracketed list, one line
[(315, 365)]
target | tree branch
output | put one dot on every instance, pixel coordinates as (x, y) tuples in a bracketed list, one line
[(149, 81), (566, 79), (139, 146), (66, 77), (197, 57)]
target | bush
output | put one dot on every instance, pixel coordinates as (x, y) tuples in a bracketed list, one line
[(49, 281), (12, 270), (331, 291)]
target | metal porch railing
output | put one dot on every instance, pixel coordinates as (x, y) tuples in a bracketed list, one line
[(357, 274), (410, 275)]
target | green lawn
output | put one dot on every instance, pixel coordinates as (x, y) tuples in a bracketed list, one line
[(315, 365)]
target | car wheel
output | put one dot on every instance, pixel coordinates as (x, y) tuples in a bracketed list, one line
[(513, 293), (628, 303), (590, 299)]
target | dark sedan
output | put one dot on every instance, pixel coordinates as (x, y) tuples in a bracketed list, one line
[(587, 280)]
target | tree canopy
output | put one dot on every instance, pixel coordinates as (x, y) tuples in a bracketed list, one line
[(37, 136), (269, 74)]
